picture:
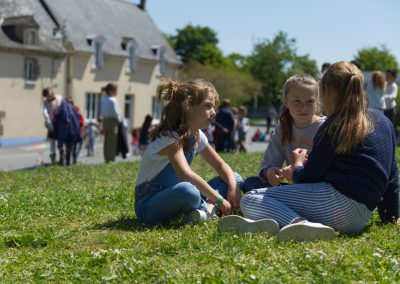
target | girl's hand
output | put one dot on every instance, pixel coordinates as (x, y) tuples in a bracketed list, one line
[(234, 196), (288, 173), (225, 207), (274, 176), (299, 157)]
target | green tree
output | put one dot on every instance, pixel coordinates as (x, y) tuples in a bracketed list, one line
[(239, 87), (191, 41), (374, 58), (273, 61)]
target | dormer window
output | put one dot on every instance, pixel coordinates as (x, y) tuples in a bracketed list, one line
[(97, 42), (30, 36), (22, 29), (159, 51), (131, 46)]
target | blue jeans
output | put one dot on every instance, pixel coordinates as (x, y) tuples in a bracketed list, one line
[(156, 203)]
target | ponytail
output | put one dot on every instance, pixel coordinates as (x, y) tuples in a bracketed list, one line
[(351, 122), (286, 121), (166, 90)]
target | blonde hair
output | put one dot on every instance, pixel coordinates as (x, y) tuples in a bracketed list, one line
[(378, 80), (352, 122), (180, 97), (285, 119)]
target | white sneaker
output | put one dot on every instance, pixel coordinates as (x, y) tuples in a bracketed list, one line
[(235, 223), (306, 231), (197, 216)]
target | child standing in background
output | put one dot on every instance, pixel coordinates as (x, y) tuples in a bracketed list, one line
[(376, 91), (296, 128), (166, 186), (135, 141)]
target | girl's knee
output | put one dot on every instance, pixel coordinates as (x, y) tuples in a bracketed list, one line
[(189, 193)]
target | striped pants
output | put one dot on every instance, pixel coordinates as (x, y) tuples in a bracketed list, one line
[(317, 202)]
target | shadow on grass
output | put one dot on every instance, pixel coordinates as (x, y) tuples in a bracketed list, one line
[(128, 223)]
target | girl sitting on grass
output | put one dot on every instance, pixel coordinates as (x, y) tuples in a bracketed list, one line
[(296, 128), (166, 186), (351, 170)]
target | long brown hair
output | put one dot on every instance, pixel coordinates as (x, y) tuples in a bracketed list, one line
[(378, 80), (180, 97), (285, 119), (351, 122)]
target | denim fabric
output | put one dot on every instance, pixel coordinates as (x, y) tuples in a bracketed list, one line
[(166, 197)]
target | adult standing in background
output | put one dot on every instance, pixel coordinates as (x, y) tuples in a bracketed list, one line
[(390, 95), (111, 116), (224, 122), (50, 105)]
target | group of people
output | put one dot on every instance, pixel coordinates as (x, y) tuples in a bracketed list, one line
[(64, 123), (67, 128), (230, 128), (327, 167)]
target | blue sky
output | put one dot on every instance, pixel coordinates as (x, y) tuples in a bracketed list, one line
[(328, 31)]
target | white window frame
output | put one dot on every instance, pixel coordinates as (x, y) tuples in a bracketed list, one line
[(131, 64), (92, 105), (159, 51), (30, 71), (97, 43)]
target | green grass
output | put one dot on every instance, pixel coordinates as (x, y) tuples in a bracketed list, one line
[(77, 224)]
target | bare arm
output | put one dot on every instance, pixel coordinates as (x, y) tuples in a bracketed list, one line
[(178, 161), (225, 172)]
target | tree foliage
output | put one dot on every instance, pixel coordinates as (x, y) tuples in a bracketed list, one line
[(232, 84), (273, 61), (196, 43), (374, 58)]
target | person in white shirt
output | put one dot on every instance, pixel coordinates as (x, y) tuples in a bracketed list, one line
[(50, 105), (390, 95), (166, 186), (111, 116)]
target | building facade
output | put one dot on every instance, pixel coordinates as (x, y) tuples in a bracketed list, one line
[(77, 47)]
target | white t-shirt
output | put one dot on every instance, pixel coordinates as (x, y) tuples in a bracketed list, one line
[(152, 163)]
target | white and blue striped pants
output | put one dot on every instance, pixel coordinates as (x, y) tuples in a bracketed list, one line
[(317, 202)]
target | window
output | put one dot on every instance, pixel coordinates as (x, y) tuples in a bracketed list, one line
[(157, 107), (161, 60), (132, 50), (31, 70), (98, 59), (96, 42), (30, 36), (159, 51), (92, 105)]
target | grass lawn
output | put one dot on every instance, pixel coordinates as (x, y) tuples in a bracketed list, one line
[(77, 224)]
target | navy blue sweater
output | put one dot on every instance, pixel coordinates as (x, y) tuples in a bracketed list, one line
[(368, 174)]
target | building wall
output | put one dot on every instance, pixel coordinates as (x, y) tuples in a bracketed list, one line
[(142, 84), (22, 102)]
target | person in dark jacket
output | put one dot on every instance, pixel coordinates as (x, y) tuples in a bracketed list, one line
[(224, 124), (351, 171), (67, 131)]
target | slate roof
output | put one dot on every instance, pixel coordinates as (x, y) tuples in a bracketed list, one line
[(19, 8), (111, 19)]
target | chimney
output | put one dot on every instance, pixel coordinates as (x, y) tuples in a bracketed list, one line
[(142, 5)]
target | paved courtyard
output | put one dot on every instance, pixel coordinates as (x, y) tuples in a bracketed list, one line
[(29, 156)]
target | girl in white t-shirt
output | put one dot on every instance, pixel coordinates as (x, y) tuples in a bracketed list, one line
[(166, 186)]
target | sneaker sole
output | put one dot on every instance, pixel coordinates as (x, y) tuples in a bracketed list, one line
[(301, 232), (238, 224)]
